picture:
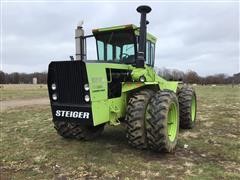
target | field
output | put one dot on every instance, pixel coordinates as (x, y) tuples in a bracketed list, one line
[(23, 91), (31, 149)]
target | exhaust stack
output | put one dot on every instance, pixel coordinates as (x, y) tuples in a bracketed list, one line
[(143, 10), (79, 42)]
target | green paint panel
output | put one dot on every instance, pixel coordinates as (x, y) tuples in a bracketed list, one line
[(100, 110), (97, 78), (112, 28), (104, 109), (128, 86)]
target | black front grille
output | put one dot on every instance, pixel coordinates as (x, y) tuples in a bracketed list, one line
[(69, 77)]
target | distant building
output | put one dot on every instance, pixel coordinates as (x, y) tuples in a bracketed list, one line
[(34, 80), (236, 78)]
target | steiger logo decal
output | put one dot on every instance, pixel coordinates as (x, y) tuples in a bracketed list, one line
[(72, 114)]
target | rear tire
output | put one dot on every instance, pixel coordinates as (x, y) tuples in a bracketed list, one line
[(188, 107), (135, 118), (162, 123), (77, 131)]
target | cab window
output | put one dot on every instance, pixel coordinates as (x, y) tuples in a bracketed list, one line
[(118, 53), (109, 52), (100, 46), (116, 46), (153, 53), (150, 53)]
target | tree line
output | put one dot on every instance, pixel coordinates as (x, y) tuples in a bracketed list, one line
[(187, 77), (22, 78), (192, 77)]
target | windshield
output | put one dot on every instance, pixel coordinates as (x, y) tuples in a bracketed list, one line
[(116, 46)]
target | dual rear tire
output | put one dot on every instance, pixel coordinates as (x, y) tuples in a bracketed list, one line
[(162, 122), (152, 120), (188, 107)]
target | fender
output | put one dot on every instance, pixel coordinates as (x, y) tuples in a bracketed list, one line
[(162, 85)]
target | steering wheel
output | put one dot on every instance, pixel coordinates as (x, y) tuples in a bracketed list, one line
[(125, 55)]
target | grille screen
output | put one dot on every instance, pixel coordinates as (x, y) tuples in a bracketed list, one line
[(70, 77)]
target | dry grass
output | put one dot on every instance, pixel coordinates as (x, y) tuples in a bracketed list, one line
[(31, 149), (22, 91)]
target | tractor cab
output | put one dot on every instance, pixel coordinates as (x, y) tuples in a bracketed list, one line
[(120, 44)]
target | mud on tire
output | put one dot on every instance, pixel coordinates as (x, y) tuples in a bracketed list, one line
[(157, 122), (77, 131), (186, 96), (135, 118)]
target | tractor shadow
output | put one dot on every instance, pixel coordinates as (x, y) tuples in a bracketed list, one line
[(113, 142), (113, 136), (114, 139)]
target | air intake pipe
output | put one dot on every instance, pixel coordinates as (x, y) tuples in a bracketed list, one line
[(143, 10)]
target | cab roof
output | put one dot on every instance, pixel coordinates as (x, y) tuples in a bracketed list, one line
[(133, 27)]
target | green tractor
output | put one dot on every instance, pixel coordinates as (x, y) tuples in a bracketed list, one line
[(120, 87)]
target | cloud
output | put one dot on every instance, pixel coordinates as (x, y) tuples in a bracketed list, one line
[(199, 36)]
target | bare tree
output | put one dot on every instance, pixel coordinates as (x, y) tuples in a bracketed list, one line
[(191, 77), (2, 77)]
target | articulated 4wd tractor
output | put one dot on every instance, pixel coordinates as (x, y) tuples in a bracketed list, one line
[(121, 86)]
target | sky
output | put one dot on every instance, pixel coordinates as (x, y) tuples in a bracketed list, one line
[(201, 36)]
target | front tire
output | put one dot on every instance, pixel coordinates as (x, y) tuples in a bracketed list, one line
[(77, 131), (162, 123)]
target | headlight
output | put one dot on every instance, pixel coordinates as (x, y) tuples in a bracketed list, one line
[(87, 98), (142, 79), (86, 87), (54, 87), (54, 97)]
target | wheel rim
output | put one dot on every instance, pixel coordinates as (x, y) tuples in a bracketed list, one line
[(193, 108), (172, 122)]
